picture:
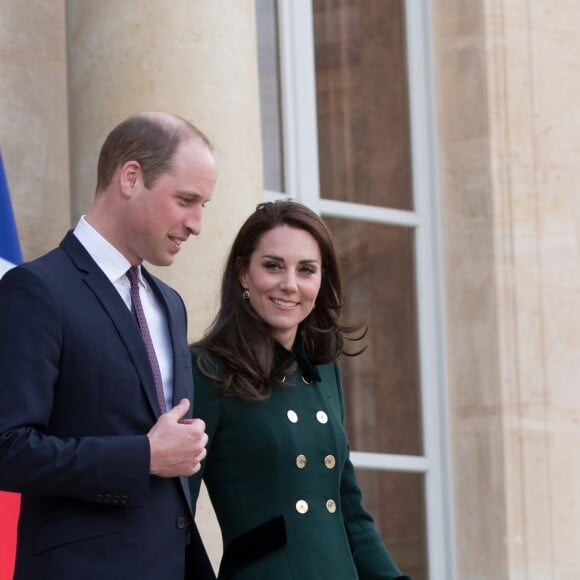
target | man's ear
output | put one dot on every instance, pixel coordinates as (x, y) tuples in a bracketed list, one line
[(129, 176)]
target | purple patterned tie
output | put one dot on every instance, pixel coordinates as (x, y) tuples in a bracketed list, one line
[(137, 309)]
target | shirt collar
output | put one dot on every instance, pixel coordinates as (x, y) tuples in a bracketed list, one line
[(108, 258)]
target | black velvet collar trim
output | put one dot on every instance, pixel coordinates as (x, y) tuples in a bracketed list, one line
[(298, 354), (253, 545)]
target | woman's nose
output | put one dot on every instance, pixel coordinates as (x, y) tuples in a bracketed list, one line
[(289, 281)]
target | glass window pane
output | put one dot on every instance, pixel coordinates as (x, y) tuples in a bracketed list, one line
[(362, 102), (381, 385), (397, 503), (270, 99)]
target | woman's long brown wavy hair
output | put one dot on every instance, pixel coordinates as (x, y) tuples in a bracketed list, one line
[(238, 348)]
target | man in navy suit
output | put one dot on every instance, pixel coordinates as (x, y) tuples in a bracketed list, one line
[(101, 469)]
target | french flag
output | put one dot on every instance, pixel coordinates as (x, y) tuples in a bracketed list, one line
[(9, 502), (9, 246)]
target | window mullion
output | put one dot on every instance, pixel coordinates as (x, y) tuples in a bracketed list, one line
[(298, 79), (421, 104)]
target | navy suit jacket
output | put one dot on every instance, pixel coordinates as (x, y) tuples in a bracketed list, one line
[(77, 398)]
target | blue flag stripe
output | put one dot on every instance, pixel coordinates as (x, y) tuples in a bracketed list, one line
[(9, 245)]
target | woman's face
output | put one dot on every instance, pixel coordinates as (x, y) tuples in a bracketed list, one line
[(283, 279)]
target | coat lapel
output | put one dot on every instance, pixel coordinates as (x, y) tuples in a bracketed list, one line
[(118, 312)]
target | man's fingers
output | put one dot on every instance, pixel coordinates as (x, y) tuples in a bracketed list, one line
[(199, 423)]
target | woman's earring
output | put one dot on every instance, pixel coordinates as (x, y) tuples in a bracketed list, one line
[(245, 294)]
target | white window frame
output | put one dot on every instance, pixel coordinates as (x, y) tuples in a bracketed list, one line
[(301, 170)]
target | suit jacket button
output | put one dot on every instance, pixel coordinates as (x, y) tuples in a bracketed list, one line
[(124, 499), (292, 416), (116, 499), (100, 498), (321, 417), (107, 498), (331, 506), (181, 523), (301, 461), (301, 506), (330, 461)]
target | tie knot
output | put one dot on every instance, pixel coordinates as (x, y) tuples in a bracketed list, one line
[(133, 275)]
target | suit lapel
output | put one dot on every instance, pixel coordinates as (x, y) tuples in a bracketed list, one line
[(118, 312)]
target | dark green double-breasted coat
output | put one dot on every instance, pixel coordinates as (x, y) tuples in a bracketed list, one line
[(282, 485)]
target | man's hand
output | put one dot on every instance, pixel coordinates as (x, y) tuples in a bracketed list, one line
[(177, 444)]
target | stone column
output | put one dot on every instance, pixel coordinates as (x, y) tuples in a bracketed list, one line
[(193, 58), (509, 137), (33, 120)]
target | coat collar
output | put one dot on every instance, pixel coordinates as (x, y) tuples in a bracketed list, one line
[(299, 355)]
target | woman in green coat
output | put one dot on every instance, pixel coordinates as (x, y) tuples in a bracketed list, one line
[(268, 387)]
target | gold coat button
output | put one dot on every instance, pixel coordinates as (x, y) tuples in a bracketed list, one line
[(322, 417), (301, 506), (292, 416), (301, 461), (330, 461), (331, 506)]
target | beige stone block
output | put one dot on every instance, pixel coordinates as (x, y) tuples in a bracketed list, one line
[(513, 63), (564, 476), (33, 120), (479, 497)]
